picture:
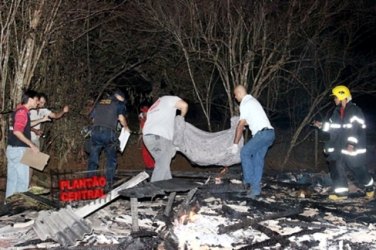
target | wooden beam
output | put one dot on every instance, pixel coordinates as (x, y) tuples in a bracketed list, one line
[(134, 213)]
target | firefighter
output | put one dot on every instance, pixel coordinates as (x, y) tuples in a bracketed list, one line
[(346, 148)]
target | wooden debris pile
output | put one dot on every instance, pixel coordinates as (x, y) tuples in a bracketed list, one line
[(205, 215)]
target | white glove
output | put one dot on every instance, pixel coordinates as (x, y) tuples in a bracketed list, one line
[(234, 148)]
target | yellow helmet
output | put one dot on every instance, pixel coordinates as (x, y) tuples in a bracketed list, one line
[(341, 92)]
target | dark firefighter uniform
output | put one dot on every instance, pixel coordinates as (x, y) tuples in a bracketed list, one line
[(347, 127)]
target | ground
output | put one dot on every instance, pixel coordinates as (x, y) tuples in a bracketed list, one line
[(302, 159), (315, 224), (293, 213)]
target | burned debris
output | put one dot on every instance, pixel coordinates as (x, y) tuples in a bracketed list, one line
[(196, 213)]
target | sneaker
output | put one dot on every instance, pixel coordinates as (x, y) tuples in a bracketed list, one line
[(37, 190), (337, 197)]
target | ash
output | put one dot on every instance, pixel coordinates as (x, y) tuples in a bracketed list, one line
[(291, 214)]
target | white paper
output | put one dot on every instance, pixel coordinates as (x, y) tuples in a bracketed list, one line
[(123, 138)]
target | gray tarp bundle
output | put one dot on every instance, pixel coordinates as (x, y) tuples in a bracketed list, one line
[(205, 148)]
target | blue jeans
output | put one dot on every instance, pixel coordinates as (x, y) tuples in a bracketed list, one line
[(252, 157), (103, 138), (162, 151), (17, 173)]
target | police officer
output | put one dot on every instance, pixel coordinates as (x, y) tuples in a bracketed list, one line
[(106, 115), (346, 148)]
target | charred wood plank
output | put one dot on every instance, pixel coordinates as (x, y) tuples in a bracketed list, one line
[(189, 197), (277, 207), (185, 207), (199, 175), (369, 217), (134, 213), (32, 243), (294, 185), (272, 235), (224, 187), (303, 218), (170, 201), (152, 189), (278, 239), (251, 222), (176, 185), (232, 213), (143, 234), (304, 224)]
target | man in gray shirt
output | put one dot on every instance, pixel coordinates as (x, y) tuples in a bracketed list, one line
[(158, 133)]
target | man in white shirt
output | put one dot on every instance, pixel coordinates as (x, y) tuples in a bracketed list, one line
[(253, 152), (158, 133), (41, 112)]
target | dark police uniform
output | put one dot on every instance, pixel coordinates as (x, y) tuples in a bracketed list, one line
[(103, 136)]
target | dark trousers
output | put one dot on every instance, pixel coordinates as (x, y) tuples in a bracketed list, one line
[(356, 165), (103, 139)]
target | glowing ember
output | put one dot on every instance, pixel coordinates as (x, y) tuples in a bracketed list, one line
[(188, 216)]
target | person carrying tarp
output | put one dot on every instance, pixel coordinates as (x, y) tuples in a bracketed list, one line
[(346, 148), (253, 153), (158, 133)]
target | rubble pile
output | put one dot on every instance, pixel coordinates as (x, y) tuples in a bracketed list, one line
[(293, 214)]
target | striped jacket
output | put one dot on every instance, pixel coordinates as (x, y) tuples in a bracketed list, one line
[(349, 130)]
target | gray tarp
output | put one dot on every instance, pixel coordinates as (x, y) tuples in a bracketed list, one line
[(205, 148)]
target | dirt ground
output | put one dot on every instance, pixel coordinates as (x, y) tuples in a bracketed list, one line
[(302, 159), (131, 159)]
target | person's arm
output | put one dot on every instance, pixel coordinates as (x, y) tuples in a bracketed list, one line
[(36, 122), (59, 114), (182, 106), (25, 140), (239, 131), (123, 122), (38, 132)]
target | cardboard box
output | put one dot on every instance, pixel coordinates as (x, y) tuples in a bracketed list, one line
[(35, 160)]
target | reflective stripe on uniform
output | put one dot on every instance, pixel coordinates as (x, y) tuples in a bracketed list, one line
[(354, 153), (341, 190), (357, 119), (325, 127), (370, 183), (352, 139)]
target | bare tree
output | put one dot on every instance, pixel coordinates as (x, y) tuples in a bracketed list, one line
[(239, 38), (322, 66), (25, 30)]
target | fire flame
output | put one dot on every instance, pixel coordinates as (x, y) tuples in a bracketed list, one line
[(189, 216)]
